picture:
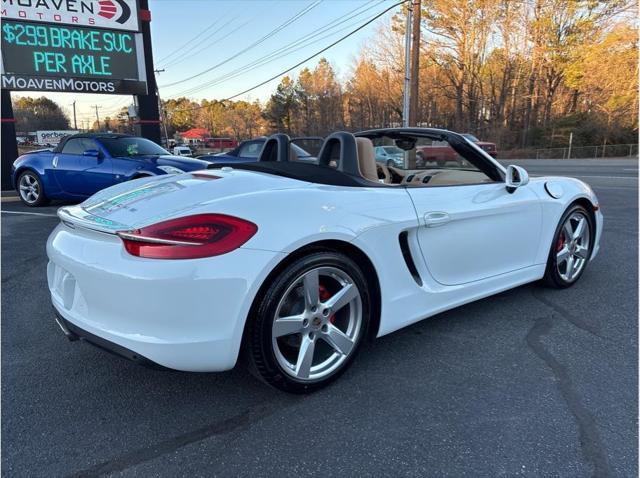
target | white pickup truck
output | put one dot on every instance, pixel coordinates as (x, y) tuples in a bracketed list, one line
[(182, 151)]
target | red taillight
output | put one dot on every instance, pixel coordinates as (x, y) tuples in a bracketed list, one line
[(190, 237)]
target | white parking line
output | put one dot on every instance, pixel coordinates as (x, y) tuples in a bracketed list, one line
[(29, 213), (635, 178)]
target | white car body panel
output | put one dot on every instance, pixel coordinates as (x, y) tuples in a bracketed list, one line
[(190, 314), (484, 223)]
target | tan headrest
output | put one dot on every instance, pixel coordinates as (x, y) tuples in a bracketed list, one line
[(367, 159)]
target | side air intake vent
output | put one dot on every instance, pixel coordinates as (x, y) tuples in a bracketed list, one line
[(408, 259)]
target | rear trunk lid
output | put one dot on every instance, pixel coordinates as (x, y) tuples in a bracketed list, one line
[(146, 201)]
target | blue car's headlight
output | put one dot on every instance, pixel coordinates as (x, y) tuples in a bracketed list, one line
[(171, 169)]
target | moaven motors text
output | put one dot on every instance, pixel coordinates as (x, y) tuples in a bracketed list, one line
[(58, 84)]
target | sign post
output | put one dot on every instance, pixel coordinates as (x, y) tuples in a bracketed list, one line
[(148, 111), (9, 143)]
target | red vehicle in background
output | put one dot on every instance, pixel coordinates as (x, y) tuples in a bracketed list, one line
[(441, 153), (438, 152), (490, 148), (220, 143)]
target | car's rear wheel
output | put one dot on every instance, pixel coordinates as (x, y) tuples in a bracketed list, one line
[(309, 323), (31, 190), (571, 248)]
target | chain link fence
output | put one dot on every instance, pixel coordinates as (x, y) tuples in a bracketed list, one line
[(584, 152), (575, 152)]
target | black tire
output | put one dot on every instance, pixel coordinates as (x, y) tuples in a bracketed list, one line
[(552, 277), (42, 199), (260, 352)]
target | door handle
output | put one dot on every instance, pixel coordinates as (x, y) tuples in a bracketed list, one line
[(55, 161), (435, 219)]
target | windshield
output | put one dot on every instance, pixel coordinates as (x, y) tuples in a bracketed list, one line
[(423, 154), (471, 137), (128, 146)]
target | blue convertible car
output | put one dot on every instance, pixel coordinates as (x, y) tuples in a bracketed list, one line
[(83, 164)]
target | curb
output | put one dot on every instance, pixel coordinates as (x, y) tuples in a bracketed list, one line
[(9, 196)]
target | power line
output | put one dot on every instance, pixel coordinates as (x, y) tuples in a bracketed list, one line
[(179, 60), (233, 75), (306, 59), (353, 32), (206, 29), (280, 27), (292, 47)]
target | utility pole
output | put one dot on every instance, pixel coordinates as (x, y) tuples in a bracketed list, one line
[(571, 143), (407, 67), (75, 122), (163, 112), (414, 77), (97, 115)]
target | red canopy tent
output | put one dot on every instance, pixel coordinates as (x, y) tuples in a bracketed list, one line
[(196, 133)]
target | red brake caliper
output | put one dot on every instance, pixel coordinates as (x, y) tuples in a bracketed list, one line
[(561, 241), (324, 296)]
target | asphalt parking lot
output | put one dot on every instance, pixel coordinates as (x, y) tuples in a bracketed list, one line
[(531, 382)]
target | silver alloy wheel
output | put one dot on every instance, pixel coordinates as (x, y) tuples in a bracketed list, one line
[(572, 246), (29, 188), (314, 333)]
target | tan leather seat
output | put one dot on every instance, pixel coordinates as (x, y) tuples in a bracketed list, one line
[(367, 159)]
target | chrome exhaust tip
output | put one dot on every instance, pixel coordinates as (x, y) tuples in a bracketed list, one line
[(70, 335)]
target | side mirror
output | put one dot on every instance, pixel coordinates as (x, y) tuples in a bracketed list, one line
[(515, 178), (92, 153)]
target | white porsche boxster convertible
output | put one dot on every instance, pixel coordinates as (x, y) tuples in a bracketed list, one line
[(296, 264)]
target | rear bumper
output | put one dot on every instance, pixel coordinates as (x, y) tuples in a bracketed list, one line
[(74, 333), (181, 314)]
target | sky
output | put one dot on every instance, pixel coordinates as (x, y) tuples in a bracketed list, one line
[(242, 42)]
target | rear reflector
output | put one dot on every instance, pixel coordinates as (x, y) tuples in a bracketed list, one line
[(190, 237)]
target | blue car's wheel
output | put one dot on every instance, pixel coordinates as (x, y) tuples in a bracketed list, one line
[(31, 190)]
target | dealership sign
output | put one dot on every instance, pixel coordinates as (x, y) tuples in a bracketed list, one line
[(73, 85), (52, 137), (47, 57), (112, 14)]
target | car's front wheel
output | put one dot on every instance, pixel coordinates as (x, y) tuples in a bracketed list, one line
[(571, 248), (31, 190), (309, 323)]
